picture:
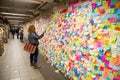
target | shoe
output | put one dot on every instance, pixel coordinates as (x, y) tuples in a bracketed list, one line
[(36, 66), (31, 64)]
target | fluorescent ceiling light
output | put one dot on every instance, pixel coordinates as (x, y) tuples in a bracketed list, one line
[(15, 14), (14, 21), (15, 17), (30, 1)]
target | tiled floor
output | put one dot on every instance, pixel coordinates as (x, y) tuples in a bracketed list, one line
[(14, 64)]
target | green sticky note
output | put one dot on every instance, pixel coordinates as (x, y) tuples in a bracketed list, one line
[(112, 11), (113, 39), (118, 24), (107, 47), (112, 27), (115, 73)]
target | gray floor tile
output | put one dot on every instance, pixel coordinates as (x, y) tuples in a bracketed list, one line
[(15, 63)]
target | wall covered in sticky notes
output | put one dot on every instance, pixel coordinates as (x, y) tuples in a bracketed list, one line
[(82, 39)]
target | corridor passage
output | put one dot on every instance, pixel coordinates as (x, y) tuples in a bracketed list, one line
[(14, 63)]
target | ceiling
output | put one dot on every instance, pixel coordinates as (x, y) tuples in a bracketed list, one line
[(18, 12)]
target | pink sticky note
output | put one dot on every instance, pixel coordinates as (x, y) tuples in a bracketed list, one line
[(110, 68), (118, 76), (93, 6), (78, 57), (115, 79), (112, 19), (103, 57), (102, 68), (99, 44), (109, 2), (107, 62), (86, 57), (106, 74)]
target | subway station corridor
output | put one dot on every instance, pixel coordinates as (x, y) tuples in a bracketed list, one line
[(69, 39), (14, 63)]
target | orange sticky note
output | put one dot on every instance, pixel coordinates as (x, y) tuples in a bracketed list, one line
[(114, 60), (117, 5), (108, 54), (108, 23), (107, 35), (106, 42), (117, 28), (106, 69)]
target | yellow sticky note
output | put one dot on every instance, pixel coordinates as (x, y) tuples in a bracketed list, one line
[(96, 10), (115, 73), (81, 15), (99, 37), (105, 6), (111, 10), (112, 27), (74, 78), (113, 39), (102, 64), (93, 65), (92, 40), (88, 78)]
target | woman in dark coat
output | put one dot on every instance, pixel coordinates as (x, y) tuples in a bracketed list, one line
[(33, 38)]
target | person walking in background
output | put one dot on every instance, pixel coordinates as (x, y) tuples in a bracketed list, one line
[(17, 32), (21, 35), (33, 38), (13, 32)]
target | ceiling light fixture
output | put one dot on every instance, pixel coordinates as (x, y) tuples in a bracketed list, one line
[(15, 14), (16, 17), (30, 1)]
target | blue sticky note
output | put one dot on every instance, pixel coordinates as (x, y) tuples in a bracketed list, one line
[(97, 0), (96, 67), (108, 78), (116, 10), (73, 44), (91, 21), (73, 51), (101, 52), (93, 11), (60, 64), (61, 42), (119, 72), (93, 36), (113, 2), (106, 27), (99, 57), (100, 73), (118, 20), (66, 41), (76, 34), (87, 48), (86, 6), (62, 51)]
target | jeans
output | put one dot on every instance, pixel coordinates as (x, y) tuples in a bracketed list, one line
[(33, 57)]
